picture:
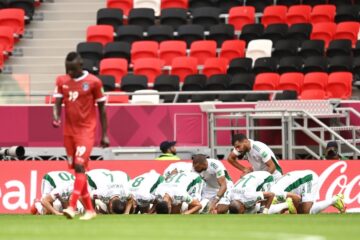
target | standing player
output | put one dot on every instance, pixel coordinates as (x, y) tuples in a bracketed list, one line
[(142, 189), (177, 167), (79, 91), (257, 153), (217, 183)]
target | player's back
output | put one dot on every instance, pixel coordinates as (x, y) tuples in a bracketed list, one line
[(120, 177), (295, 176), (255, 181), (182, 181), (179, 167), (146, 182), (59, 178), (100, 177)]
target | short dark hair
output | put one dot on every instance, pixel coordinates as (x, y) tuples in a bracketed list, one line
[(71, 56), (162, 208), (199, 158), (238, 137), (118, 206), (234, 207)]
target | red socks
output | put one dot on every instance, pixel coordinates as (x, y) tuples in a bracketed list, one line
[(80, 182)]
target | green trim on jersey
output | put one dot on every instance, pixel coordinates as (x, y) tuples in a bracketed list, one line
[(194, 182), (277, 166), (256, 147), (128, 177), (91, 183), (50, 180), (269, 179), (160, 180), (227, 176), (299, 182)]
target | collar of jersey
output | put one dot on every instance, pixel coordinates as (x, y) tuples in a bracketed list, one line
[(84, 75)]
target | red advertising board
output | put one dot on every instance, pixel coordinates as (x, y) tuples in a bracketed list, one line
[(20, 181)]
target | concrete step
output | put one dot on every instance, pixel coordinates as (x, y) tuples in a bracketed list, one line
[(56, 33), (40, 60), (68, 6), (54, 24), (46, 51), (42, 42), (73, 14), (36, 68)]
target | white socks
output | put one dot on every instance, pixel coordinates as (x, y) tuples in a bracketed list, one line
[(321, 206), (277, 208)]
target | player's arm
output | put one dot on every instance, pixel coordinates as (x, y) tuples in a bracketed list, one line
[(105, 142), (269, 196), (47, 202), (130, 204), (232, 159), (194, 207), (223, 187), (270, 166)]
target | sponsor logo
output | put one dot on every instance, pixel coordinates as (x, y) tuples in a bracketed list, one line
[(85, 86)]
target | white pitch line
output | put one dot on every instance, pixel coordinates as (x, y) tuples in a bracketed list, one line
[(285, 236)]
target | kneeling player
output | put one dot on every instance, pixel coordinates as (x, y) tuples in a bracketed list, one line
[(177, 167), (177, 189)]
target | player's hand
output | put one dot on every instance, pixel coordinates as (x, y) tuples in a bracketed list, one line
[(56, 123), (59, 214), (105, 142)]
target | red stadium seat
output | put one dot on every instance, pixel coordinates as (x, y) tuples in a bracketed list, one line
[(214, 66), (347, 30), (150, 67), (323, 13), (313, 94), (14, 18), (7, 38), (231, 49), (202, 50), (174, 4), (323, 31), (315, 80), (339, 85), (291, 81), (274, 14), (184, 66), (1, 58), (117, 99), (144, 49), (125, 5), (240, 16), (100, 33), (116, 67), (266, 81), (171, 49), (298, 14)]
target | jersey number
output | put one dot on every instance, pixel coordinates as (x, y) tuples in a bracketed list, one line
[(178, 175), (66, 177), (245, 180), (80, 150), (73, 95), (109, 175), (137, 181)]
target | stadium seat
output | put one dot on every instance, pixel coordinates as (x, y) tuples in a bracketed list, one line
[(129, 33), (315, 80), (251, 32), (323, 31), (14, 18), (226, 5), (259, 4), (108, 82), (109, 16), (285, 48), (265, 64), (315, 64), (339, 85), (339, 47), (167, 83), (169, 50), (356, 50), (201, 3), (257, 97), (274, 14), (340, 2), (259, 48), (117, 99), (202, 50), (217, 82), (287, 95), (231, 49), (100, 33), (124, 5), (323, 13), (190, 33), (299, 32), (150, 67), (93, 51), (288, 3), (240, 16), (133, 82), (146, 99), (174, 17), (116, 67), (314, 2), (160, 33), (3, 4), (184, 66), (240, 65), (298, 14), (313, 94), (143, 17), (27, 5), (347, 13), (290, 64), (276, 32), (165, 4), (153, 4), (239, 82), (144, 49), (90, 66), (266, 81), (6, 39), (194, 82), (347, 30), (118, 50), (340, 64), (214, 66), (291, 81), (310, 48), (1, 58), (221, 33), (206, 16)]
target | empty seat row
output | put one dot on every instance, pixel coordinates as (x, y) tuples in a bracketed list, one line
[(28, 6)]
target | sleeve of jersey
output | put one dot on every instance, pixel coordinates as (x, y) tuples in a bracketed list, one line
[(58, 92), (265, 155), (99, 92), (220, 170)]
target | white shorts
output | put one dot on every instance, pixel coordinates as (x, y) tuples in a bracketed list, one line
[(248, 198), (209, 193)]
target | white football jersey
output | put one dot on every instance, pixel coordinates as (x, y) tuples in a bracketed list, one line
[(179, 166), (214, 171), (62, 192), (55, 179)]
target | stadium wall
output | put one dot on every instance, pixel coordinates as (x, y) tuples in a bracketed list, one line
[(20, 181)]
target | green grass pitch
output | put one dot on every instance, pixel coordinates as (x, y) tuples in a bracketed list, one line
[(174, 227)]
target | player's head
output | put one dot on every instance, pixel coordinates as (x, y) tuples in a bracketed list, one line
[(200, 162), (73, 65), (117, 206), (168, 147), (241, 143), (162, 207), (236, 207)]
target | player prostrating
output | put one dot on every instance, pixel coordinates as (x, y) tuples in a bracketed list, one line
[(79, 91)]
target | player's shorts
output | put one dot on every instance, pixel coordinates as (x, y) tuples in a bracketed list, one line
[(248, 198), (78, 150), (210, 193)]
